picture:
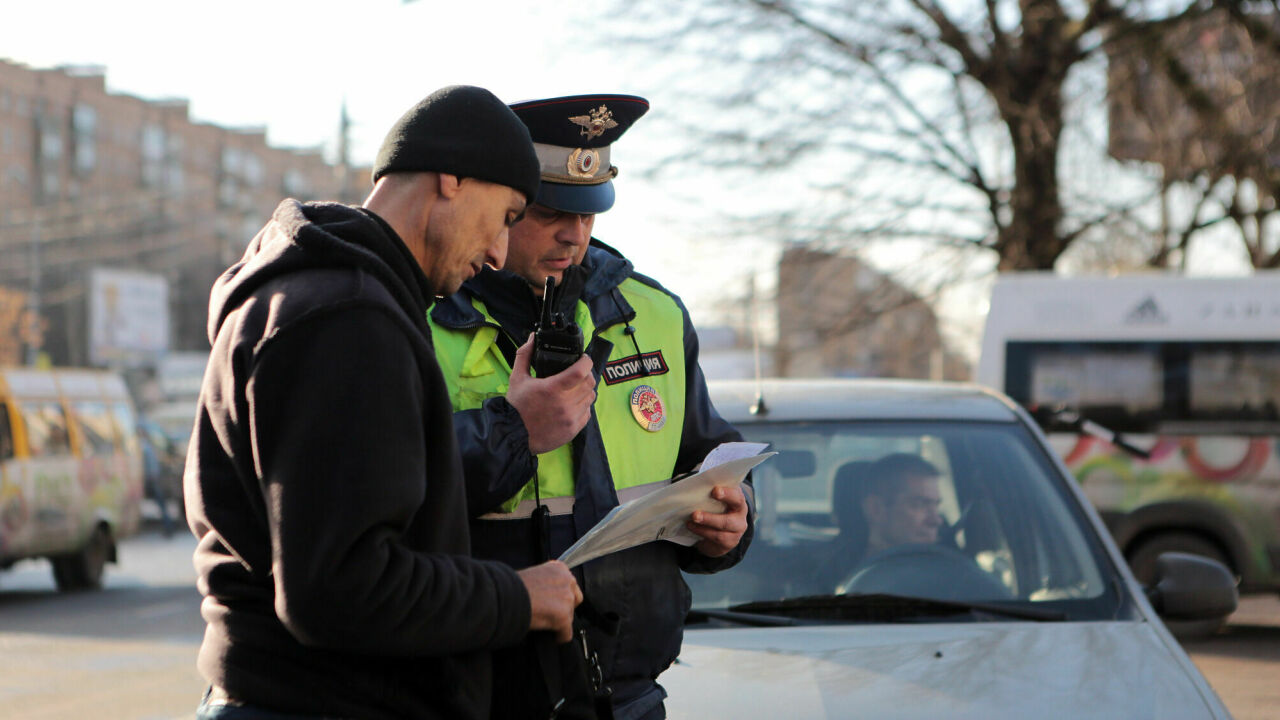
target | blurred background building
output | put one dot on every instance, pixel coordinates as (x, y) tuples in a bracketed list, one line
[(839, 317), (117, 213)]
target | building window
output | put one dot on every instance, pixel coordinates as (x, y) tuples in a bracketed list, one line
[(231, 161), (153, 146), (50, 141), (173, 175), (229, 166), (295, 184), (84, 128), (253, 170)]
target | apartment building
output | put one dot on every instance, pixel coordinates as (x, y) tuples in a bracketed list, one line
[(96, 179)]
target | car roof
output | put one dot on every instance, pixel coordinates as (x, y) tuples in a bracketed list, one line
[(858, 399)]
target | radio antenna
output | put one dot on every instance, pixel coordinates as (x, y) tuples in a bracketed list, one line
[(548, 301), (758, 407)]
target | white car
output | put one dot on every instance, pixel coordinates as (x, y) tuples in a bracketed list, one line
[(1017, 605)]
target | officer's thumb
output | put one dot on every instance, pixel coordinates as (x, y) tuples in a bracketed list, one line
[(521, 366)]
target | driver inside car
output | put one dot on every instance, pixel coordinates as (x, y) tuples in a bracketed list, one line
[(878, 505), (908, 548), (901, 502)]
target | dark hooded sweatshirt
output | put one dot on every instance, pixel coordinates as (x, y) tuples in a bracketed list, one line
[(324, 484)]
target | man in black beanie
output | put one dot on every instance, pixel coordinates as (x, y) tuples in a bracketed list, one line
[(323, 479)]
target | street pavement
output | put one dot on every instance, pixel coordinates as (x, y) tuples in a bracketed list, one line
[(125, 652), (1242, 663)]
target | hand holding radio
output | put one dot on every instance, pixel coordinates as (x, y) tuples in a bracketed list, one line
[(556, 404), (557, 340)]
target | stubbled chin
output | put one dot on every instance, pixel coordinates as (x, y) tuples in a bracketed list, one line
[(545, 272)]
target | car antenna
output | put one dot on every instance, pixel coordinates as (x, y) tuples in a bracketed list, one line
[(758, 407)]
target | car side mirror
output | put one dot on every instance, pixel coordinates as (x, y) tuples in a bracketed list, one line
[(1192, 587)]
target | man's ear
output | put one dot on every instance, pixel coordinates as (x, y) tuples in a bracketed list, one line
[(449, 185)]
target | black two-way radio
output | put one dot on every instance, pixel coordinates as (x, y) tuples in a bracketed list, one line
[(557, 340)]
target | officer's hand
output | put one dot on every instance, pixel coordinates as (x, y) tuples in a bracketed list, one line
[(554, 409), (553, 594), (720, 532)]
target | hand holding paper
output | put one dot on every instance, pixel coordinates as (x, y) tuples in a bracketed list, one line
[(662, 515), (719, 533)]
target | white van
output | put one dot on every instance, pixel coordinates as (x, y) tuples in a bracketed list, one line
[(70, 470), (1187, 371)]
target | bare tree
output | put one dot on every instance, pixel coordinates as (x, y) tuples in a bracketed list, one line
[(945, 121), (1206, 103)]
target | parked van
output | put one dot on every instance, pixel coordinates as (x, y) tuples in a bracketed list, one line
[(1187, 371), (70, 470)]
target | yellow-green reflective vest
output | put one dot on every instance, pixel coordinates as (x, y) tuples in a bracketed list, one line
[(476, 370)]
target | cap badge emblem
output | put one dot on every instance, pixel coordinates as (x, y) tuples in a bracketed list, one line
[(594, 125), (583, 162), (646, 407)]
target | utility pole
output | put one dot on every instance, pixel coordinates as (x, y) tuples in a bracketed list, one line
[(344, 151), (32, 332)]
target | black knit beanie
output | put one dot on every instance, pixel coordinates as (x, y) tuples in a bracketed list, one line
[(465, 131)]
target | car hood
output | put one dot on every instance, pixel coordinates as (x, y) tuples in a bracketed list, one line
[(979, 670)]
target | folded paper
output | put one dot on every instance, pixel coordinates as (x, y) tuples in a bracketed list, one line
[(663, 514)]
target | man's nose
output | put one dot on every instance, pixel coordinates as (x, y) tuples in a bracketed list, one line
[(496, 255), (572, 230)]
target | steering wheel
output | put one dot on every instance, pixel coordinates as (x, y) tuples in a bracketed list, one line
[(930, 571)]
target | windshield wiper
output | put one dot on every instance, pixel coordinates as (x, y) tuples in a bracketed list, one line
[(881, 607), (740, 618)]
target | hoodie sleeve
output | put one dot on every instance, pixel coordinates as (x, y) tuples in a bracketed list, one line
[(337, 423)]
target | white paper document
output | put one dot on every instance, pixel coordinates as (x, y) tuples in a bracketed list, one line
[(662, 514)]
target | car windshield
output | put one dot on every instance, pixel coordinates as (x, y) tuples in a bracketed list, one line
[(969, 516)]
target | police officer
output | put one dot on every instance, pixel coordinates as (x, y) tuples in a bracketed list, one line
[(547, 457)]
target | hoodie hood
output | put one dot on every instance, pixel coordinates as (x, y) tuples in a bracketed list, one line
[(315, 236)]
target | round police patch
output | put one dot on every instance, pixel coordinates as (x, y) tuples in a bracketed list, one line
[(646, 407)]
